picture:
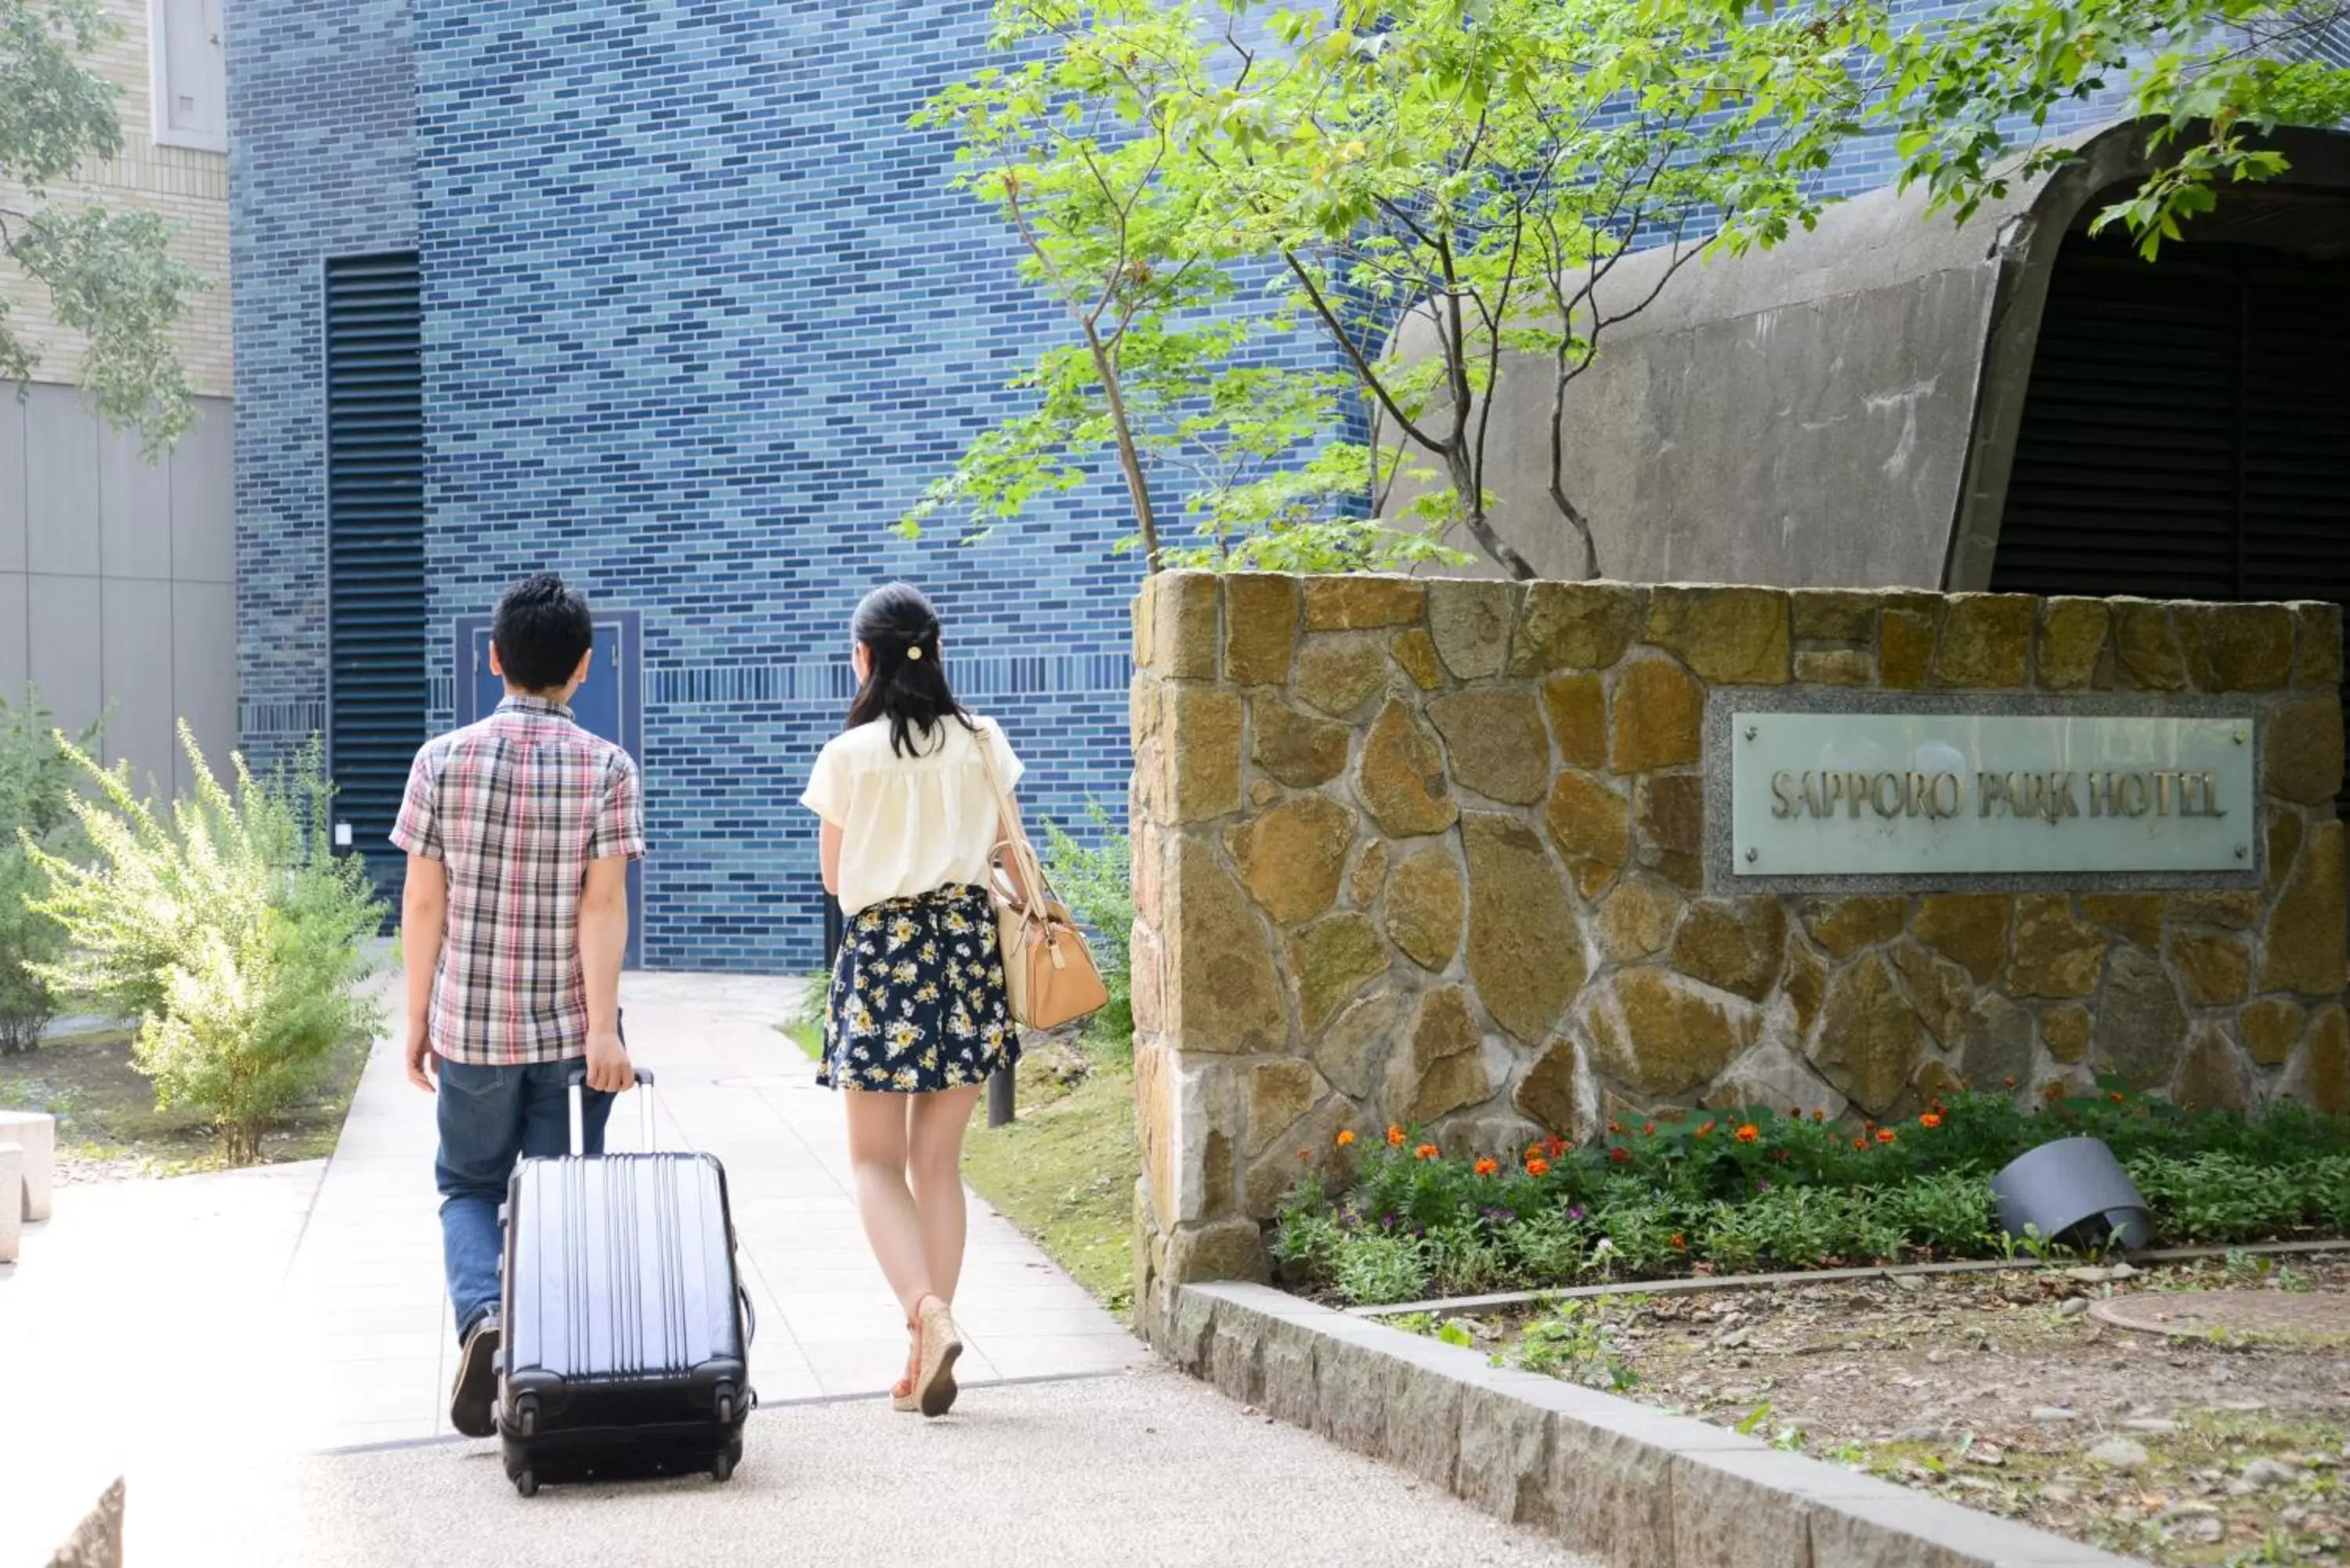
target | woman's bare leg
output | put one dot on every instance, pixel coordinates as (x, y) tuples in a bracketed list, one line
[(893, 1226), (935, 1161)]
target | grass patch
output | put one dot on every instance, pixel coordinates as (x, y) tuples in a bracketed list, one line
[(1063, 1173), (109, 1125), (804, 1024)]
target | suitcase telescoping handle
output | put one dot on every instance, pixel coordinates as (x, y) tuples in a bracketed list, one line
[(578, 1113)]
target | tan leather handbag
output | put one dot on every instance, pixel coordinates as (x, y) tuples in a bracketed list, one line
[(1049, 976)]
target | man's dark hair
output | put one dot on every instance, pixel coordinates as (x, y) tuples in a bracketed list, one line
[(541, 631)]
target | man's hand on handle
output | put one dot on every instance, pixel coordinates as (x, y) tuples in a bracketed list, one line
[(608, 1067)]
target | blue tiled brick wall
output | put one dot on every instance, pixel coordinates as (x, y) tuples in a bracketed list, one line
[(701, 318), (321, 163)]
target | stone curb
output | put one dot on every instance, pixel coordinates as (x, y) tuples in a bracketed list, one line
[(1632, 1486)]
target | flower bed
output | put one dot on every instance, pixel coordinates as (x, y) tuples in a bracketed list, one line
[(1736, 1191)]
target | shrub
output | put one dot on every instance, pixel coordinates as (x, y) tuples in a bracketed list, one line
[(231, 930), (1095, 880), (36, 793)]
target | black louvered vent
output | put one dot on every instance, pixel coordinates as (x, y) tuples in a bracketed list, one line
[(375, 540), (2183, 436)]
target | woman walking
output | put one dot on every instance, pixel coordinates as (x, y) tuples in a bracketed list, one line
[(915, 798)]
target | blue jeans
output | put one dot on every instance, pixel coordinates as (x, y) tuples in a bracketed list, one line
[(489, 1117)]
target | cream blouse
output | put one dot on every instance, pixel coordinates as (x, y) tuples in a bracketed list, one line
[(910, 824)]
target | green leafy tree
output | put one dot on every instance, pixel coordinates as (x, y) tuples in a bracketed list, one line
[(110, 275), (1081, 145), (229, 928), (1475, 169), (2211, 80), (37, 792)]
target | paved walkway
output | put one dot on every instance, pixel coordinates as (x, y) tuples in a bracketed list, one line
[(366, 1282), (1134, 1469), (300, 1306), (265, 1354)]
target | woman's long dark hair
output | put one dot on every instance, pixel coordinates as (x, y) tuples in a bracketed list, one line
[(906, 683)]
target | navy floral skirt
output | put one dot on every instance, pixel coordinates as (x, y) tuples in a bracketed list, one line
[(916, 1001)]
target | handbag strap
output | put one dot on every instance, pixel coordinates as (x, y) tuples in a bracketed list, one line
[(1024, 864)]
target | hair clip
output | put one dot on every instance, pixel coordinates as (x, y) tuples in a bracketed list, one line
[(914, 653)]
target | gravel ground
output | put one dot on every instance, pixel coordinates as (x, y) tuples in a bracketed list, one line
[(2002, 1392), (1148, 1468)]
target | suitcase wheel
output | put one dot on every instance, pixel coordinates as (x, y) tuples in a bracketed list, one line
[(722, 1468), (526, 1483)]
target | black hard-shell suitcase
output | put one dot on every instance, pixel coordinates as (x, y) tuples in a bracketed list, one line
[(626, 1327)]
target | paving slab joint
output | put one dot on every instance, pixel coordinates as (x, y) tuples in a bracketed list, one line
[(1631, 1485)]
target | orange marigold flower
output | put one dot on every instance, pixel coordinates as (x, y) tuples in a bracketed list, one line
[(1537, 1167), (1488, 1167), (1860, 1143), (1553, 1146), (1619, 1154), (2053, 1091), (1395, 1137), (1749, 1133), (1680, 1243), (1818, 1114), (1346, 1137), (1425, 1151), (1929, 1120), (1303, 1155), (1705, 1129), (2116, 1096), (1885, 1135), (1533, 1150), (2010, 1081), (1649, 1130), (1615, 1128)]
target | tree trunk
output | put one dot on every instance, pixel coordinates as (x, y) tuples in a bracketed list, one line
[(241, 1142), (1560, 376), (1130, 458), (1470, 498), (1582, 526)]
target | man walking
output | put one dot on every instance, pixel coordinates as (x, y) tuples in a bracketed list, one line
[(519, 830)]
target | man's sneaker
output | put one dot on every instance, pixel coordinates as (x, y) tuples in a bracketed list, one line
[(472, 1403)]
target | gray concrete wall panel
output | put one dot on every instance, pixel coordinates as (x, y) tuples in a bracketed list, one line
[(66, 654), (61, 483), (15, 636), (203, 671), (11, 485), (203, 501), (134, 508)]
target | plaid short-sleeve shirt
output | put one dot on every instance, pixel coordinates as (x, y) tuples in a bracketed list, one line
[(516, 807)]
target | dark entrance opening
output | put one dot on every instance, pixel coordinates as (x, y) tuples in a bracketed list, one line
[(2185, 433)]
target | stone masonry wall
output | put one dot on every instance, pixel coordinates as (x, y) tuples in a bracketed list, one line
[(1430, 852)]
